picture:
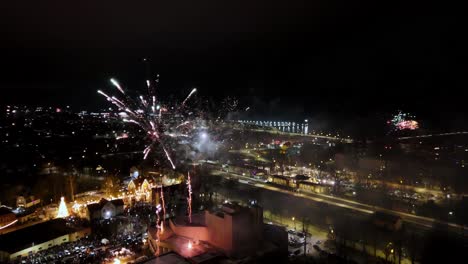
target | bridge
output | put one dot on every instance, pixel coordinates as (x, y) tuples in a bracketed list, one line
[(288, 128)]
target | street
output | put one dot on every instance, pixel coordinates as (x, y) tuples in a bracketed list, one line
[(421, 221)]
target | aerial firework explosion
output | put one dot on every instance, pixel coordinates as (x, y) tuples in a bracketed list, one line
[(403, 121), (148, 113)]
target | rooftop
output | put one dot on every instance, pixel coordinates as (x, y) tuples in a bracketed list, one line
[(180, 245), (4, 210), (169, 258), (35, 234), (102, 202)]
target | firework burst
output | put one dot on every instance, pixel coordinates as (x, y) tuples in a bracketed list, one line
[(403, 121), (147, 112)]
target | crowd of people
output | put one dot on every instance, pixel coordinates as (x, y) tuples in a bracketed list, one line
[(126, 241)]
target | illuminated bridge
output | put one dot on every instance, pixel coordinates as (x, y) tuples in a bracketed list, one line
[(283, 126), (288, 128)]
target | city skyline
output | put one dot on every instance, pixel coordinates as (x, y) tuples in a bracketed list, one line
[(210, 132)]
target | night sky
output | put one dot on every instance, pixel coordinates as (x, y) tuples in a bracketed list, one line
[(302, 57)]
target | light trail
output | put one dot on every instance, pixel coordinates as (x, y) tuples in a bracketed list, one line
[(352, 205), (9, 224)]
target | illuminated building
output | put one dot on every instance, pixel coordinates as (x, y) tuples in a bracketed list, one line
[(140, 188), (35, 238), (146, 188), (237, 231), (105, 209)]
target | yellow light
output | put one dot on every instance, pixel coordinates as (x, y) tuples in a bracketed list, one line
[(62, 210), (76, 207), (391, 250), (293, 218)]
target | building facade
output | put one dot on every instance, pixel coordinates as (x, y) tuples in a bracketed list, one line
[(33, 239)]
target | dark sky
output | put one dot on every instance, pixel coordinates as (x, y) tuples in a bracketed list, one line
[(351, 56)]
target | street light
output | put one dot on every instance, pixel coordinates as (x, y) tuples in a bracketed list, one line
[(294, 221)]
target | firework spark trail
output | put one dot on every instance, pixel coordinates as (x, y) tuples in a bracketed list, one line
[(143, 101), (113, 99), (128, 110), (168, 156), (147, 151), (163, 208), (188, 97), (117, 85), (183, 124), (118, 101), (152, 125), (189, 199), (142, 113), (131, 121), (158, 210), (122, 136), (105, 95)]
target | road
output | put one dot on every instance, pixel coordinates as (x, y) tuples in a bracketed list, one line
[(436, 135), (277, 132), (415, 189), (317, 231), (422, 221), (18, 226)]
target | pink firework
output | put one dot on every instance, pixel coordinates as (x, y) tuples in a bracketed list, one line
[(189, 199), (408, 125), (146, 113), (403, 121), (158, 227), (163, 203)]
